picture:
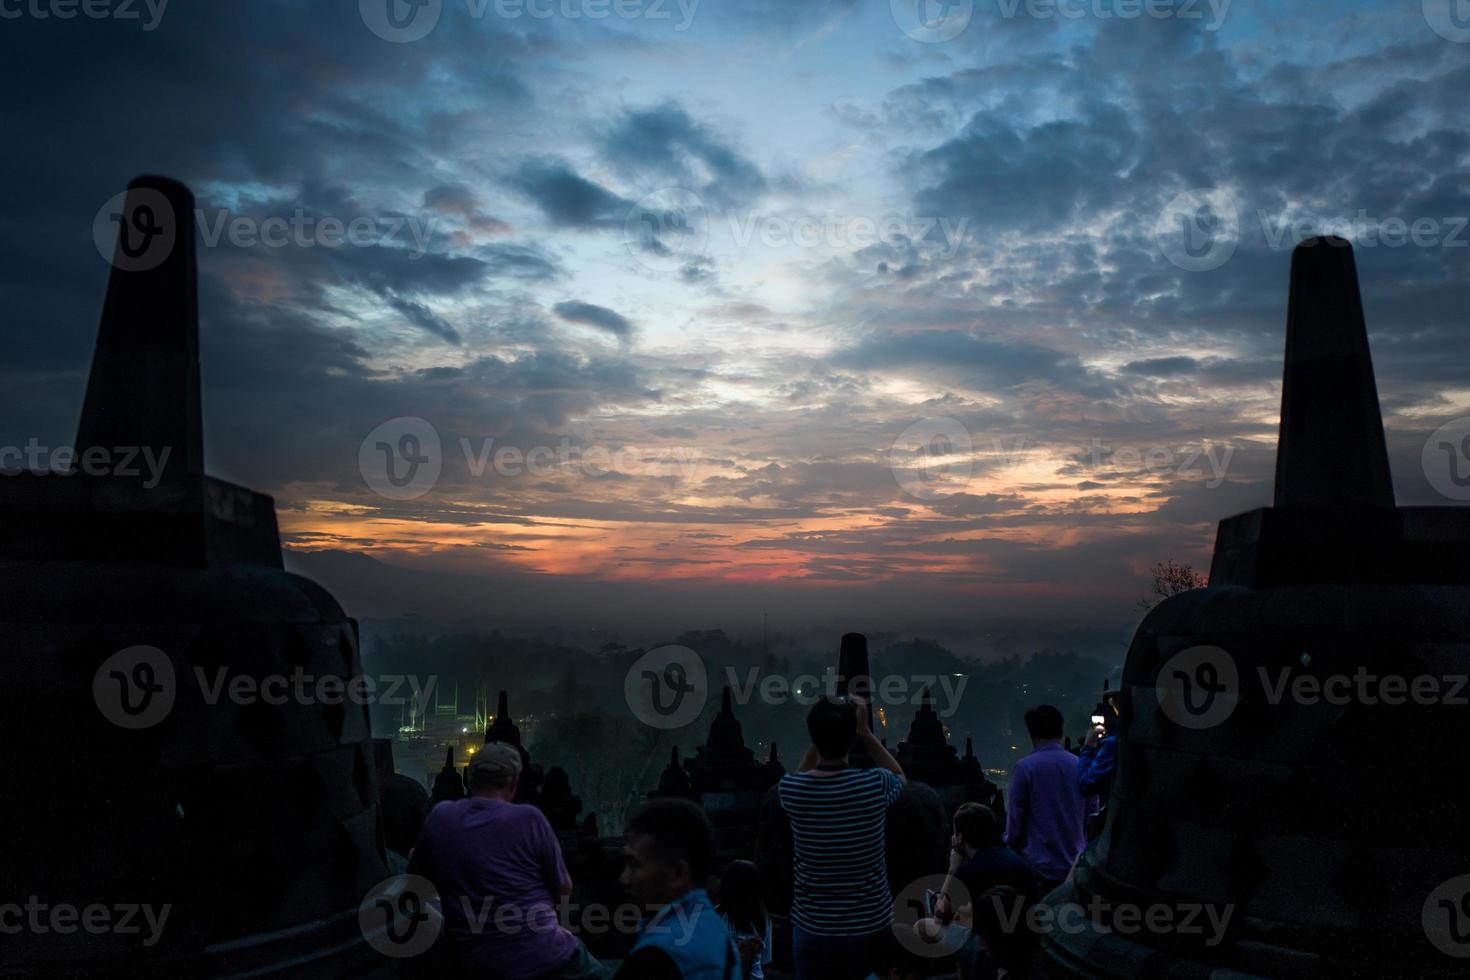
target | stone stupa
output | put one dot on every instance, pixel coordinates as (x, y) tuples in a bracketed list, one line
[(125, 600), (1332, 830)]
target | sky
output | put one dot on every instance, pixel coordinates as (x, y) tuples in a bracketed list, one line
[(947, 315)]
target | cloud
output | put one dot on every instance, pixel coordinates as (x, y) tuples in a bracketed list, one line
[(1042, 178), (667, 143), (589, 314), (516, 260), (973, 361), (568, 199), (421, 316), (1162, 367), (461, 201)]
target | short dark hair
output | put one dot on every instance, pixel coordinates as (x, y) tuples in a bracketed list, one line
[(832, 726), (977, 824), (1044, 721), (741, 902), (680, 832)]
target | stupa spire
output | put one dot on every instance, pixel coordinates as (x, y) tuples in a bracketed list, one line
[(143, 390), (1332, 453)]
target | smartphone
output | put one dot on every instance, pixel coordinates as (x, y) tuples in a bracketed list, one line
[(1097, 721)]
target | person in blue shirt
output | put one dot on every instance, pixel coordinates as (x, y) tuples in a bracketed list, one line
[(670, 851), (1095, 765)]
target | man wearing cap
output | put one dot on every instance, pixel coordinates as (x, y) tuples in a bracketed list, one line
[(498, 869)]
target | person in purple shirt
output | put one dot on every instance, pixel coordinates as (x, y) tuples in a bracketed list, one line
[(498, 869), (1046, 812)]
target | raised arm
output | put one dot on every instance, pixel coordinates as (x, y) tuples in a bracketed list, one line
[(1098, 767), (881, 757)]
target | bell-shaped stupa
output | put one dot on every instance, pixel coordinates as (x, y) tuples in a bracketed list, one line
[(151, 625), (1280, 786)]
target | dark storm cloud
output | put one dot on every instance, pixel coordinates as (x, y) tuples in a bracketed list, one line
[(592, 315)]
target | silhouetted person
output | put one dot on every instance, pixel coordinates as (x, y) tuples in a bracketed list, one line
[(744, 912), (1095, 765), (1044, 821), (499, 872), (838, 820), (404, 803), (979, 861), (669, 851)]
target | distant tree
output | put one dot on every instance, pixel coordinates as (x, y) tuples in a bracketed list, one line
[(1171, 578)]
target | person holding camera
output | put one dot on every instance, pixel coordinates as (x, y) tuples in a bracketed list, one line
[(838, 813)]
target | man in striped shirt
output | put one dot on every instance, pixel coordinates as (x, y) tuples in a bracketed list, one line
[(838, 817)]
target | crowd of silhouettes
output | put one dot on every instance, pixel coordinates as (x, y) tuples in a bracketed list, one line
[(998, 869), (485, 852)]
